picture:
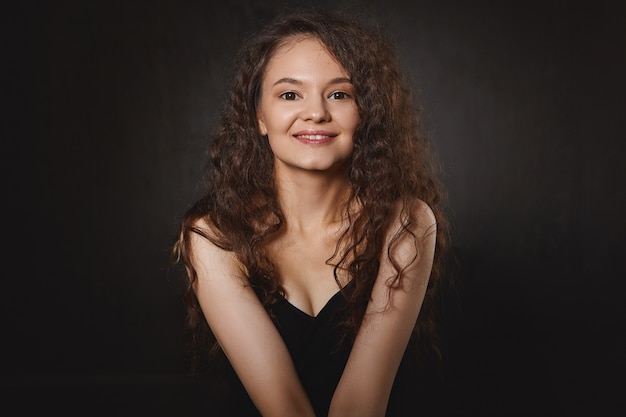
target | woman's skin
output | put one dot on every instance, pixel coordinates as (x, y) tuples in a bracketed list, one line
[(308, 114)]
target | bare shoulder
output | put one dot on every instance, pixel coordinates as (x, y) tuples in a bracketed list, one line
[(423, 223), (202, 237), (412, 240), (211, 259), (426, 222), (204, 227)]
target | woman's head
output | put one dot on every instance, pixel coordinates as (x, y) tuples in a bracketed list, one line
[(307, 109), (360, 50)]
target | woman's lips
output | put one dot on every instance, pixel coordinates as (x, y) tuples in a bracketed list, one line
[(314, 136)]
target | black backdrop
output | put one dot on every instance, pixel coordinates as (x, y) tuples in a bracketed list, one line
[(109, 106)]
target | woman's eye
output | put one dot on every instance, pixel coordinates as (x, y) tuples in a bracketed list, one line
[(288, 95), (339, 95)]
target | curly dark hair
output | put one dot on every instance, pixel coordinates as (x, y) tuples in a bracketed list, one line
[(391, 163)]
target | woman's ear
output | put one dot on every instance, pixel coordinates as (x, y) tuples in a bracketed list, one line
[(262, 127)]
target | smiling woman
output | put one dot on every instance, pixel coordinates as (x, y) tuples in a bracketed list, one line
[(314, 257), (307, 96)]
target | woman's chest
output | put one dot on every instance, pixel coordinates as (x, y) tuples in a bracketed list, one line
[(306, 271)]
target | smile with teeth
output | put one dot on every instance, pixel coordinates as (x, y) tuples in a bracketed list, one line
[(312, 137), (315, 137)]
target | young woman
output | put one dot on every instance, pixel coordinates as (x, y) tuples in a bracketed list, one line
[(313, 257)]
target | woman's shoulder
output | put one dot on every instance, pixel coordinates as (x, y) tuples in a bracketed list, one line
[(205, 234), (416, 215), (205, 227), (210, 249)]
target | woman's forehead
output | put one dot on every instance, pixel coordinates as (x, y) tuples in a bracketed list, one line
[(302, 51)]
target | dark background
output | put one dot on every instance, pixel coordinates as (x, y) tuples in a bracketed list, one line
[(108, 107)]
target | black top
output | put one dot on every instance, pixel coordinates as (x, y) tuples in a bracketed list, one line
[(319, 361)]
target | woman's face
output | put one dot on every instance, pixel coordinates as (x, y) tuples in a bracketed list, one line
[(307, 108)]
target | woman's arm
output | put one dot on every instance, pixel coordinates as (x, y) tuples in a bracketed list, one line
[(246, 333), (365, 386)]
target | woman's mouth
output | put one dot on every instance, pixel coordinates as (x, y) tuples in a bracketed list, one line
[(314, 137)]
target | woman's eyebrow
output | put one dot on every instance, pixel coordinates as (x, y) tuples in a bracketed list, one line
[(289, 80), (340, 80)]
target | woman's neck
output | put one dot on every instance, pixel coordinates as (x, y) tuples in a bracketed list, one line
[(312, 201)]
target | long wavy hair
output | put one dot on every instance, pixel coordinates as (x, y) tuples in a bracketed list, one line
[(391, 163)]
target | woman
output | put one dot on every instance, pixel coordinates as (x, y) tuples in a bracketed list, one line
[(313, 257)]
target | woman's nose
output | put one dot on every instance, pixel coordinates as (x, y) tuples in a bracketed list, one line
[(316, 109)]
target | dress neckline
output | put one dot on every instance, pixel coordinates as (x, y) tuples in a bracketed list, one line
[(331, 300)]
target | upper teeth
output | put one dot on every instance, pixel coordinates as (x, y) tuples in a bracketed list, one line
[(312, 137)]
